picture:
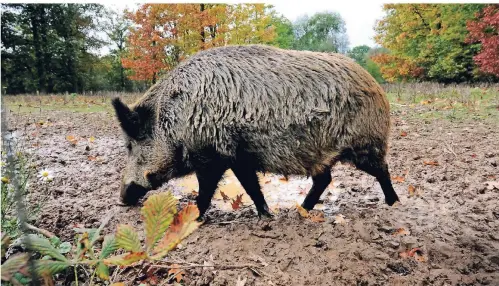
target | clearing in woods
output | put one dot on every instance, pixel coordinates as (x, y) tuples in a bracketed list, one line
[(443, 158)]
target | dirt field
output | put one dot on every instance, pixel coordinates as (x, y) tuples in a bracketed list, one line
[(446, 174)]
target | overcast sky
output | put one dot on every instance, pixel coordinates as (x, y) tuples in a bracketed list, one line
[(360, 17)]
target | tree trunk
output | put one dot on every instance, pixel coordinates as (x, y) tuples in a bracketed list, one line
[(36, 17), (203, 38)]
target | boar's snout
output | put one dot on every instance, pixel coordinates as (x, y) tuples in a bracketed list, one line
[(131, 193)]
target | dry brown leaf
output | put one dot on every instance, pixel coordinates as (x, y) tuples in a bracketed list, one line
[(317, 217), (92, 158), (283, 179), (398, 179), (303, 212), (431, 163), (401, 231), (412, 190), (340, 219), (177, 273), (72, 140), (417, 253), (224, 197), (238, 202), (403, 134)]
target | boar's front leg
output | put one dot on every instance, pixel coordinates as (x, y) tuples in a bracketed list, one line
[(208, 178), (249, 180)]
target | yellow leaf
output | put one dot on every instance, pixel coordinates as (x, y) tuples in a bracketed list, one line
[(317, 217), (401, 231), (303, 212), (91, 139), (158, 212), (125, 259), (184, 224), (127, 238), (412, 190)]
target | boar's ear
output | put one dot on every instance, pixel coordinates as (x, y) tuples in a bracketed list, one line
[(128, 119)]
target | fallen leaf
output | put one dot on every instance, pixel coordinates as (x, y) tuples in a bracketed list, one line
[(224, 197), (401, 231), (177, 273), (72, 140), (403, 134), (398, 179), (91, 158), (417, 253), (91, 139), (283, 179), (431, 163), (425, 102), (267, 180), (238, 202), (303, 212), (412, 190), (240, 282), (340, 219), (317, 217)]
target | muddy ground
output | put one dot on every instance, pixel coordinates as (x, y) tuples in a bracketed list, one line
[(449, 209)]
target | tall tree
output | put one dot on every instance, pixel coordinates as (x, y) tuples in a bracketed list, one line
[(362, 55), (283, 28), (48, 47), (164, 34), (485, 30), (428, 39), (359, 54), (323, 32), (117, 28)]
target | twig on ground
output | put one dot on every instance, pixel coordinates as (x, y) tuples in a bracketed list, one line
[(449, 148), (194, 265), (264, 235), (44, 232)]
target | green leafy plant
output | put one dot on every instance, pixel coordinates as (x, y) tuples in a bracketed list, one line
[(164, 229)]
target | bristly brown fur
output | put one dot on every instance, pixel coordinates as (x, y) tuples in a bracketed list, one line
[(256, 108), (291, 109)]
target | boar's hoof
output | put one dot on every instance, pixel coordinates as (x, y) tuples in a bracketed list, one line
[(201, 218), (265, 214), (131, 193), (392, 200)]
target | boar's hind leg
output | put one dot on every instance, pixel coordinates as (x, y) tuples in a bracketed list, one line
[(321, 181), (249, 180), (208, 179), (375, 165)]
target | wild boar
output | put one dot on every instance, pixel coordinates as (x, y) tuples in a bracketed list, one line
[(256, 109)]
